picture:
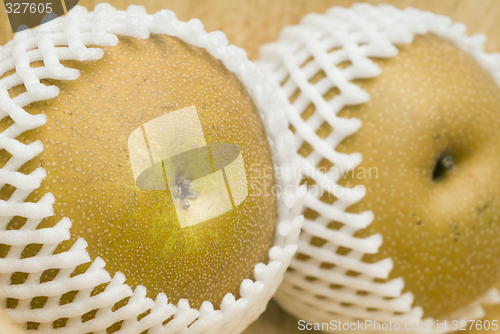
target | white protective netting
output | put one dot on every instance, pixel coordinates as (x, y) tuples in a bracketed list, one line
[(68, 38), (321, 43)]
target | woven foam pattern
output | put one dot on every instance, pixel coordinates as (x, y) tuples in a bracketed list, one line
[(320, 43), (68, 38)]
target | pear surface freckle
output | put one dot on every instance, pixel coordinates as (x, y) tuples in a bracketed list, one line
[(137, 231)]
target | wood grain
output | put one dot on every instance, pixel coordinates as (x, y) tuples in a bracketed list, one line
[(249, 24)]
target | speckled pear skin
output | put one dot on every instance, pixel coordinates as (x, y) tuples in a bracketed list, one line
[(442, 233), (136, 231)]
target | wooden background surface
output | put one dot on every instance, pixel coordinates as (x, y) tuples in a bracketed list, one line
[(251, 23)]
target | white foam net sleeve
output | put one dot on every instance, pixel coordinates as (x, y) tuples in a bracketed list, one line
[(321, 43), (68, 38)]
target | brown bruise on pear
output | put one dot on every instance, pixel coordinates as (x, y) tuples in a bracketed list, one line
[(443, 234), (137, 231)]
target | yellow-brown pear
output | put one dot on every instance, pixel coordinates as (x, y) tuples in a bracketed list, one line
[(89, 170), (430, 143)]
